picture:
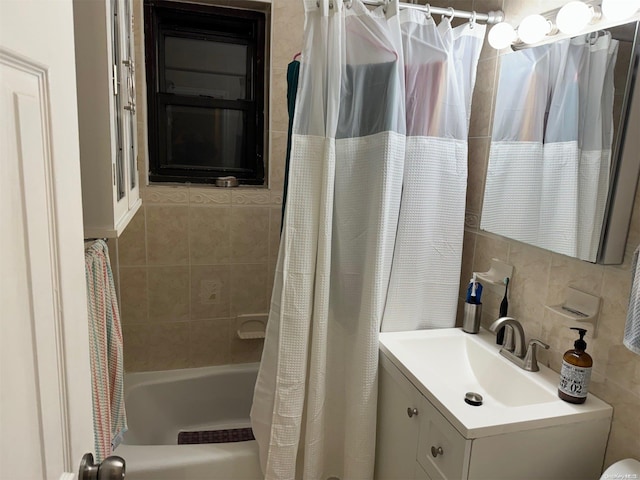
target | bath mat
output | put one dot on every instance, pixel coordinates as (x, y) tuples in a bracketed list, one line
[(216, 436)]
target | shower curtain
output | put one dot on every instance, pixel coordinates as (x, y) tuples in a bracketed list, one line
[(551, 146), (366, 80)]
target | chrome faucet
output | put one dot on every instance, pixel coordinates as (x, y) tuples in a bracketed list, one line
[(514, 351)]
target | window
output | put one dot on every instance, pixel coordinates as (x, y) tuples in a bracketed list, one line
[(205, 92)]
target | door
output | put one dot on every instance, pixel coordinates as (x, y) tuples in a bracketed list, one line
[(45, 389)]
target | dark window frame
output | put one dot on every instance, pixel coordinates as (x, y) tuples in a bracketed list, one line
[(203, 22)]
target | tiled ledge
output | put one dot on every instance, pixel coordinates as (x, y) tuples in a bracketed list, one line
[(199, 196)]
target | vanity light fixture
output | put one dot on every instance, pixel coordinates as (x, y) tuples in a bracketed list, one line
[(502, 35), (575, 16), (534, 28), (619, 9)]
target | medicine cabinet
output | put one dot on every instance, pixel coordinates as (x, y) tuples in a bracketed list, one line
[(105, 75)]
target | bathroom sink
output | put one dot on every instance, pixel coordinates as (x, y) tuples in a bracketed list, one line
[(445, 364), (467, 364)]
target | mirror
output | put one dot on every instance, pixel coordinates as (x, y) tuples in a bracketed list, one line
[(562, 169)]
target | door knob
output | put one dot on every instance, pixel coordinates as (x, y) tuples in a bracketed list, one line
[(412, 411), (111, 468)]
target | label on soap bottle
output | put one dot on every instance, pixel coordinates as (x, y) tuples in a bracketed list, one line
[(574, 381)]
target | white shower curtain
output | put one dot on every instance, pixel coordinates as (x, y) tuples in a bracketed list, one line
[(315, 399), (548, 172), (440, 70)]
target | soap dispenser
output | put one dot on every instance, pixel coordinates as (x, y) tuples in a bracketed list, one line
[(576, 371)]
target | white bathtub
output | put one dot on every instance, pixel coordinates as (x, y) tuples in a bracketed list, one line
[(162, 404)]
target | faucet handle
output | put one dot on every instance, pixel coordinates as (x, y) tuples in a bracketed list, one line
[(530, 360)]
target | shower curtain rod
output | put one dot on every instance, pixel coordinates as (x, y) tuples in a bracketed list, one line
[(490, 17)]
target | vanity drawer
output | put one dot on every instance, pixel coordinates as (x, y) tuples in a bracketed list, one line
[(442, 451)]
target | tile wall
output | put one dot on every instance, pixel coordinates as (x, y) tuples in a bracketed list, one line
[(187, 241), (193, 258), (540, 276)]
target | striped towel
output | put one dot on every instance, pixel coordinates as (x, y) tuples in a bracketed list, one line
[(105, 348)]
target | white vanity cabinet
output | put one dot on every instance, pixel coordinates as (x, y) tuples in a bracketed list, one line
[(399, 408), (416, 440), (409, 427), (106, 114)]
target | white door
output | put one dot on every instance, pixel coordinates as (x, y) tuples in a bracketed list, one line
[(45, 389)]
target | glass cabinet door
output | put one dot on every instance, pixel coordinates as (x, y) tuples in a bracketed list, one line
[(130, 107), (118, 133)]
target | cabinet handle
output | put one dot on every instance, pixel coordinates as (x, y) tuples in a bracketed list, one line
[(412, 411), (436, 451)]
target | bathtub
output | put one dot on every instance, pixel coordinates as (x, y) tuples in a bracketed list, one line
[(162, 404)]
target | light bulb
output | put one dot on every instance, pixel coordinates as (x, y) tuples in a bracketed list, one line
[(573, 17), (502, 35), (619, 9), (533, 28)]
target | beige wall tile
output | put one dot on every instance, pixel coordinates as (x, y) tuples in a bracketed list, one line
[(210, 287), (249, 234), (245, 351), (288, 26), (136, 352), (274, 233), (132, 248), (466, 271), (279, 114), (133, 295), (169, 346), (566, 272), (555, 332), (168, 294), (624, 441), (167, 235), (271, 274), (277, 161), (483, 96), (209, 235), (209, 342), (487, 247), (616, 285), (529, 286), (624, 369), (249, 289), (478, 154)]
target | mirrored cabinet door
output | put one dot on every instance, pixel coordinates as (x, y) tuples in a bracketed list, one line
[(563, 165)]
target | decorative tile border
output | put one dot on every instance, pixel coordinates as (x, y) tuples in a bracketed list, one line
[(472, 220), (276, 198), (210, 196), (166, 195), (250, 197)]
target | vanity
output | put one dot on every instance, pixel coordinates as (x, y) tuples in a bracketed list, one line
[(521, 430)]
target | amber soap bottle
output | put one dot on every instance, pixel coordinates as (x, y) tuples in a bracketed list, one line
[(576, 371)]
